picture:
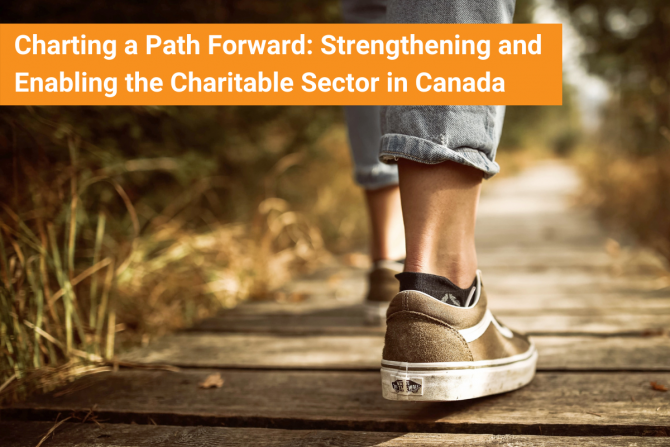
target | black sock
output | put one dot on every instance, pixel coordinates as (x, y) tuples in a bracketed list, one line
[(436, 286)]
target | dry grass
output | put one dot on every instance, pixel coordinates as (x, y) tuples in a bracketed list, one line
[(631, 195), (179, 275), (77, 285)]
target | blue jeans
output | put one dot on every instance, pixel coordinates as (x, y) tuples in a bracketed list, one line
[(379, 136)]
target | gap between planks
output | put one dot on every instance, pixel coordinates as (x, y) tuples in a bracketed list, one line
[(263, 351), (24, 434), (576, 404)]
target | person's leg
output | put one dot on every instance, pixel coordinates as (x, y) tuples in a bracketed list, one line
[(442, 342), (387, 233), (379, 181), (439, 203), (444, 153)]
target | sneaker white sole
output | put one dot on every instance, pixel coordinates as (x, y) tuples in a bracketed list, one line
[(375, 312), (456, 380)]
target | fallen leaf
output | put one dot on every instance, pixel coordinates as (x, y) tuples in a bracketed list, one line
[(652, 332), (212, 381), (658, 386)]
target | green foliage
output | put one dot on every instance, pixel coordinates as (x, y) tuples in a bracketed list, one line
[(627, 175), (554, 129), (628, 45)]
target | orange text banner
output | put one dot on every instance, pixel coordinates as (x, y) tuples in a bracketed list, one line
[(280, 64)]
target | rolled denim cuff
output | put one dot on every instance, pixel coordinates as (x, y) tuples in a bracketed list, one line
[(395, 146), (376, 177)]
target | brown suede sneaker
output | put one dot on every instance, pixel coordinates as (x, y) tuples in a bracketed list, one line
[(382, 288), (438, 352)]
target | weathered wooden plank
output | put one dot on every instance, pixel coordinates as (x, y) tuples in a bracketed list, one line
[(501, 303), (515, 257), (575, 404), (598, 322), (547, 182), (557, 229), (205, 350), (623, 301), (28, 434), (363, 352), (630, 302), (349, 320), (604, 353), (519, 289), (356, 310)]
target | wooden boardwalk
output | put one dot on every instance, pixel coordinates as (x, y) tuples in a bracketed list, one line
[(307, 373)]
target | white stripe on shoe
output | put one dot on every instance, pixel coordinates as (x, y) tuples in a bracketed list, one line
[(502, 329), (473, 333)]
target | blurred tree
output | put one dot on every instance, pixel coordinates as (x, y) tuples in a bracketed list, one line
[(159, 11), (628, 45), (557, 129), (240, 144)]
